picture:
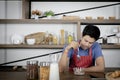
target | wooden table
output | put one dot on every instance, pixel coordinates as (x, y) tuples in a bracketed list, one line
[(20, 74), (64, 76), (87, 76)]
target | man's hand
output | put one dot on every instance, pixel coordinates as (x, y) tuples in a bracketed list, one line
[(73, 45)]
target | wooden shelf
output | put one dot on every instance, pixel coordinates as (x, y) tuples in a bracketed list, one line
[(57, 21), (101, 22), (24, 46), (74, 0), (110, 46), (39, 21)]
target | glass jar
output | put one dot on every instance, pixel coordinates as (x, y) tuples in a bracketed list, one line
[(44, 70), (32, 70)]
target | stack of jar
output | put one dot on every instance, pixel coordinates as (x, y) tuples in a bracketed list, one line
[(64, 38)]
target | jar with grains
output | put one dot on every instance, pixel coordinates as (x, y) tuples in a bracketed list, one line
[(44, 70), (32, 70)]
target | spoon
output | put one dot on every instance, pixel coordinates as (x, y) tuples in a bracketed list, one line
[(78, 56)]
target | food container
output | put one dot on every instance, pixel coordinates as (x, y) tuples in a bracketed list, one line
[(100, 18), (38, 36), (32, 70), (88, 18), (44, 70), (78, 71), (31, 41), (112, 18), (113, 75)]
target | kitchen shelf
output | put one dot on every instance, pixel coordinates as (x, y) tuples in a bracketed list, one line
[(33, 21), (74, 0), (110, 46), (25, 46), (57, 21), (43, 21), (100, 22)]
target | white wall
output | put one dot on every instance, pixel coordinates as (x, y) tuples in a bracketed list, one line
[(111, 56), (2, 9), (2, 30), (60, 7)]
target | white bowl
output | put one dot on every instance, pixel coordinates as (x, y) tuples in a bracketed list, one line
[(30, 41), (78, 71)]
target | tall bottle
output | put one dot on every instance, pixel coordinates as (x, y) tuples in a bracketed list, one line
[(70, 38), (62, 38), (54, 68), (55, 40)]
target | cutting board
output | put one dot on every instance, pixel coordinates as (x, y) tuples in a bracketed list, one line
[(108, 77)]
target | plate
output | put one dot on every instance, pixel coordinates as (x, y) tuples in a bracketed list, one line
[(108, 77)]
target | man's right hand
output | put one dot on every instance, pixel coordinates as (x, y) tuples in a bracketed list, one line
[(73, 45)]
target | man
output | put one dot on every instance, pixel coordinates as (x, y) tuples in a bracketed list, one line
[(85, 53)]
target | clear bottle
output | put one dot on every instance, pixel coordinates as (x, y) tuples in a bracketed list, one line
[(50, 36), (104, 40), (62, 38), (47, 38), (55, 40), (70, 38), (54, 67)]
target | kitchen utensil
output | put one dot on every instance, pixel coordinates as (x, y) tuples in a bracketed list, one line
[(78, 56)]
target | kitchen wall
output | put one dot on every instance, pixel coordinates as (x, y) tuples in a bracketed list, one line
[(13, 10)]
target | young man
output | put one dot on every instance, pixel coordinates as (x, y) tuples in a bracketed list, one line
[(85, 53)]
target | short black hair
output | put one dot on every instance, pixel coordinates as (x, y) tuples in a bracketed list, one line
[(92, 31)]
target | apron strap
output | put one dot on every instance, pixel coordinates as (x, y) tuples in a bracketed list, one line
[(90, 51)]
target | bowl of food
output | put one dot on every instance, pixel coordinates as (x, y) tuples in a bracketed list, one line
[(78, 71), (31, 41), (113, 75)]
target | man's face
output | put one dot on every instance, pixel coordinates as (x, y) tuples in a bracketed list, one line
[(86, 42)]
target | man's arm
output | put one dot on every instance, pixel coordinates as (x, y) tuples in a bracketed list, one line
[(63, 63), (99, 67)]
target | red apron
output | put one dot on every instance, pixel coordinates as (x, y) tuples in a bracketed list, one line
[(84, 61)]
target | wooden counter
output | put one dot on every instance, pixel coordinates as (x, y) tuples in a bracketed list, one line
[(64, 76), (20, 74)]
